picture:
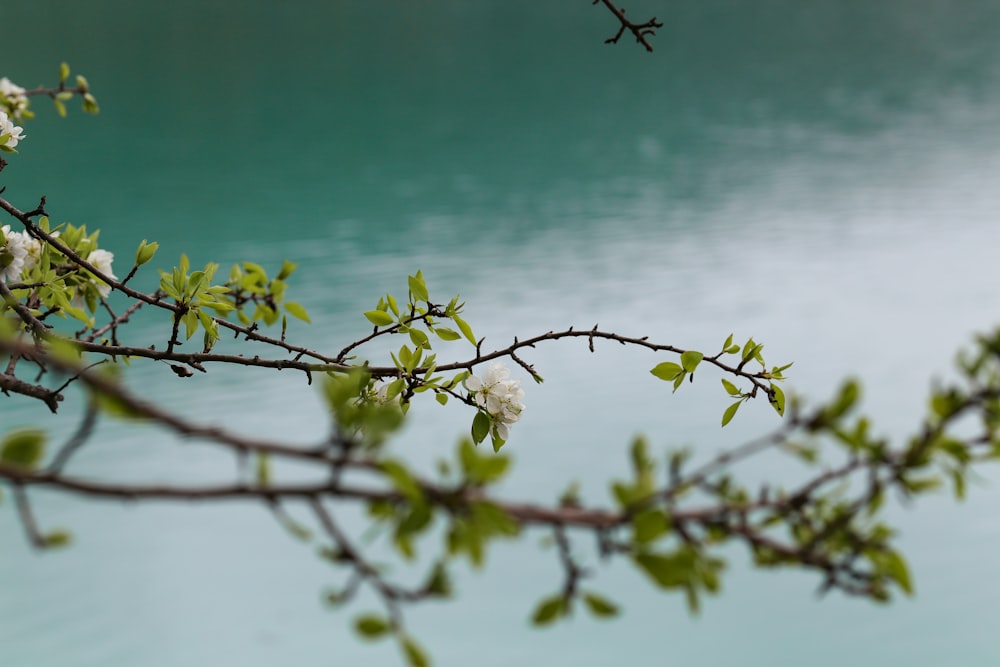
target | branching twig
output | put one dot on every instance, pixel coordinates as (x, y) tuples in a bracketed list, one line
[(639, 30)]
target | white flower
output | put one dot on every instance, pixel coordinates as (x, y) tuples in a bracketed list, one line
[(34, 249), (13, 132), (101, 260), (14, 97), (379, 393), (501, 398), (13, 254)]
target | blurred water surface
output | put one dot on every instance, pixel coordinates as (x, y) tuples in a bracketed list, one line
[(821, 176)]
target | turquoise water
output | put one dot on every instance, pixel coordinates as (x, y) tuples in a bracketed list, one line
[(819, 177)]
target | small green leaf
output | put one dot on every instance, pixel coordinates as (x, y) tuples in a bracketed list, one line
[(296, 310), (371, 626), (402, 479), (670, 571), (418, 287), (378, 318), (548, 610), (23, 448), (491, 468), (145, 252), (464, 328), (439, 583), (599, 606), (848, 395), (730, 412), (667, 371), (480, 427), (691, 359), (444, 333), (441, 398), (649, 525), (420, 339), (896, 568), (777, 399), (63, 72), (56, 539), (287, 269), (415, 656), (731, 388)]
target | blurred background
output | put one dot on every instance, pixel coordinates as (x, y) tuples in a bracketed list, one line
[(818, 175)]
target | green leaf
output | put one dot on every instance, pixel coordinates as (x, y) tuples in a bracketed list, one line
[(666, 571), (287, 269), (23, 448), (464, 328), (441, 398), (415, 656), (296, 310), (848, 395), (439, 583), (444, 333), (419, 339), (395, 388), (599, 606), (897, 569), (730, 412), (63, 72), (56, 539), (402, 479), (480, 427), (691, 359), (491, 468), (145, 252), (548, 610), (371, 626), (418, 287), (731, 388), (190, 322), (378, 318), (667, 371), (777, 399), (648, 525)]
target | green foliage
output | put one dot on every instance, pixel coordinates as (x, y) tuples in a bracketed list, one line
[(671, 524), (600, 606), (549, 609), (751, 351), (372, 626), (23, 448)]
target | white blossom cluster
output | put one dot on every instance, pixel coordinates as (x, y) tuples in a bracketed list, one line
[(500, 397), (19, 253), (14, 98), (10, 134)]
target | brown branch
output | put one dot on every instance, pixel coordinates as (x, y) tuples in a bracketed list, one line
[(639, 30)]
